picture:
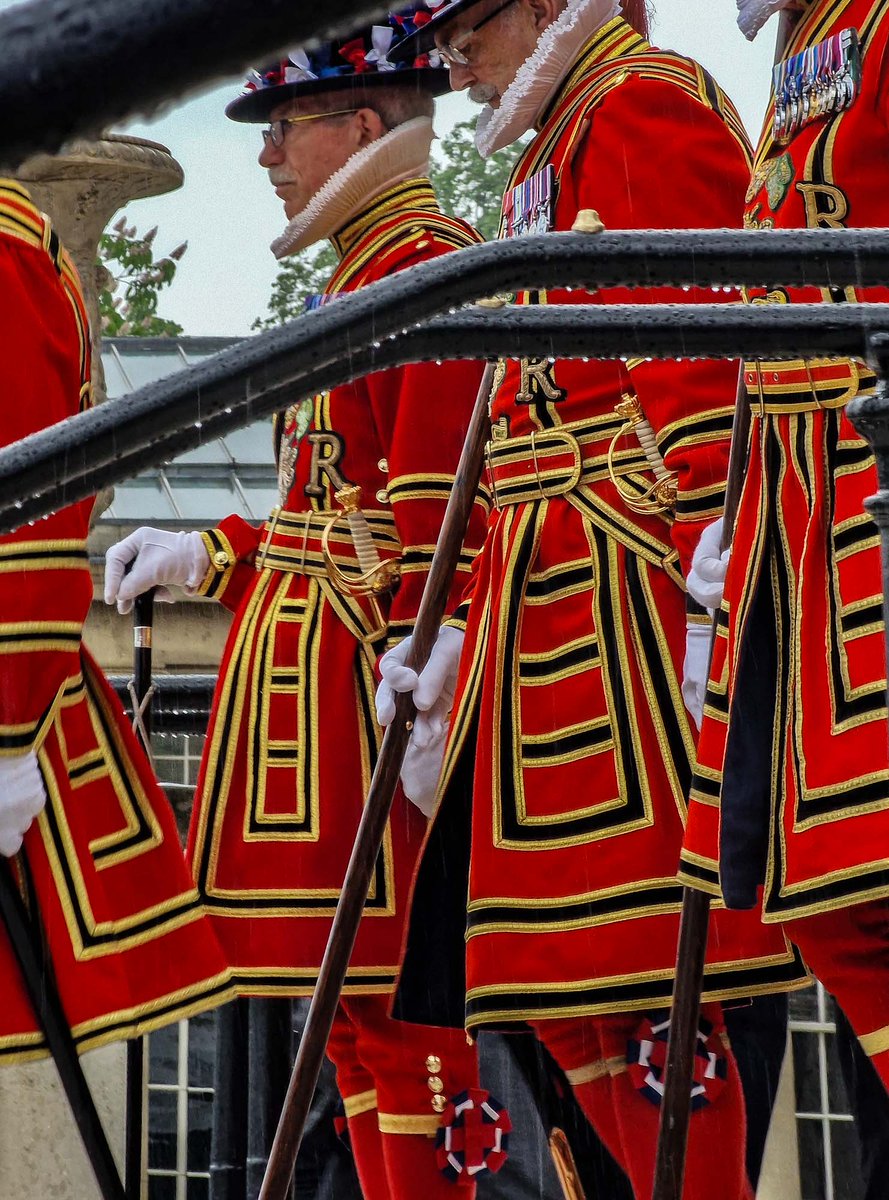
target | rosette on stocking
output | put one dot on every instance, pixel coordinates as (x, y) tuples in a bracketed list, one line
[(647, 1059), (473, 1138)]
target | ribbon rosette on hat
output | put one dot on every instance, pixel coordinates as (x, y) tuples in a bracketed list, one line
[(473, 1138), (647, 1058)]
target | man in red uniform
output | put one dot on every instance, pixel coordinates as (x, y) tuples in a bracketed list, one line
[(570, 750), (93, 838), (790, 800), (365, 472)]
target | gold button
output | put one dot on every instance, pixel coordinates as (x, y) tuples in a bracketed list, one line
[(433, 1064), (220, 559), (439, 1103), (382, 496), (435, 1084), (383, 465)]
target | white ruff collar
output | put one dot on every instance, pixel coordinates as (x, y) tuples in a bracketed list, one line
[(402, 153), (753, 14), (541, 73)]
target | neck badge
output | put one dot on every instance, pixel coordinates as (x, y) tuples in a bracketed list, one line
[(820, 81), (530, 207)]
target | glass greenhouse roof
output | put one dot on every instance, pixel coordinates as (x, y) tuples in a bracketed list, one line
[(231, 474)]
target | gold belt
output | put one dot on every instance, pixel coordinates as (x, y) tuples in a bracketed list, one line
[(802, 386), (553, 462), (321, 544)]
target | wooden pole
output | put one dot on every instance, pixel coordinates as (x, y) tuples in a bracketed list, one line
[(376, 812), (669, 1172), (143, 618)]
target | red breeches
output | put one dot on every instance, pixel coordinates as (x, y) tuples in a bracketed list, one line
[(592, 1051), (387, 1073), (848, 950)]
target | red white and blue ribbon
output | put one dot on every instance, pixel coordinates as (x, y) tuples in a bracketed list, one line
[(473, 1138), (647, 1059)]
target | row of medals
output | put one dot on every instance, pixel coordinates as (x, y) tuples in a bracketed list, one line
[(819, 81)]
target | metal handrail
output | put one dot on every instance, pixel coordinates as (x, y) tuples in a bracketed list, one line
[(262, 374)]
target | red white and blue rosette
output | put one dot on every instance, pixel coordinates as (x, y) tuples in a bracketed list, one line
[(473, 1138), (647, 1059)]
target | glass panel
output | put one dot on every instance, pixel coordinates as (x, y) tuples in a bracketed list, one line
[(846, 1161), (201, 1050), (262, 498), (198, 1189), (253, 444), (811, 1160), (163, 1052), (807, 1076), (161, 1187), (146, 367), (837, 1099), (210, 452), (804, 1005), (200, 1122), (205, 501), (141, 500), (115, 382), (162, 1130)]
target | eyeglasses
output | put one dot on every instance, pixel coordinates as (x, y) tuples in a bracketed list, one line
[(277, 130), (455, 53)]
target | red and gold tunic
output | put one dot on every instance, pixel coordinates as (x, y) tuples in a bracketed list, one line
[(794, 762), (293, 737), (124, 926), (568, 699)]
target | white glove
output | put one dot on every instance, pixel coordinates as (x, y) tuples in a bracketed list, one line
[(422, 763), (22, 797), (158, 558), (433, 691), (437, 681), (695, 669), (753, 14), (709, 564)]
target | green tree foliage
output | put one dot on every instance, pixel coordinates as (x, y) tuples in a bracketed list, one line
[(299, 276), (467, 186), (131, 269)]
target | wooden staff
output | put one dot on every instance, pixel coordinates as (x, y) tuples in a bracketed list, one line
[(669, 1173), (353, 896), (141, 693)]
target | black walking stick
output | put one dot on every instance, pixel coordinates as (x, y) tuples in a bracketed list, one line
[(669, 1171), (141, 691), (27, 941), (353, 896)]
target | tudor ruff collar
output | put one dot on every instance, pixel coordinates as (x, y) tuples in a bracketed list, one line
[(402, 153), (753, 14), (540, 75)]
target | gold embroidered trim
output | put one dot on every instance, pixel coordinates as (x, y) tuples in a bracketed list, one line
[(409, 1123), (361, 1103)]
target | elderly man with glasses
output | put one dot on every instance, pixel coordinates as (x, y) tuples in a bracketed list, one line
[(331, 580), (569, 754)]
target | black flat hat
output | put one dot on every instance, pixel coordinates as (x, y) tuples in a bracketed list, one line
[(422, 40), (363, 59)]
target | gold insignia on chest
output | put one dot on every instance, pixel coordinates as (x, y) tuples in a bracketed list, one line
[(538, 382), (775, 175)]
